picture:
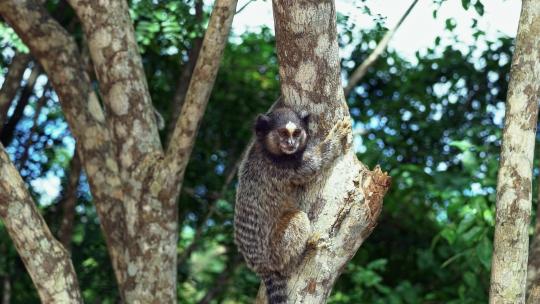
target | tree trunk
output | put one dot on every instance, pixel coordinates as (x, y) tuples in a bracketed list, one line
[(134, 183), (509, 265), (347, 200)]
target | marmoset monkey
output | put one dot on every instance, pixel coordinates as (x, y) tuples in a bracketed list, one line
[(271, 231)]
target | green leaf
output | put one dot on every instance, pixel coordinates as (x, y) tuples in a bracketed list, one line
[(472, 234), (449, 235), (466, 4), (484, 249), (463, 145), (479, 7)]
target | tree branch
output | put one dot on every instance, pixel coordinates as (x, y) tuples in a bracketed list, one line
[(360, 71), (11, 84), (199, 90), (47, 262), (187, 71)]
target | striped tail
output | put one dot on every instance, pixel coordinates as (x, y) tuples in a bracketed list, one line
[(276, 287)]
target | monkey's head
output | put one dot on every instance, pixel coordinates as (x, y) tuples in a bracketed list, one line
[(283, 131)]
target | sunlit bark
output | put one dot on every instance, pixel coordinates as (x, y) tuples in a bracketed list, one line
[(511, 242)]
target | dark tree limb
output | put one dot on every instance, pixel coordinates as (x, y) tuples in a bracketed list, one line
[(69, 202), (8, 129), (11, 84), (222, 281)]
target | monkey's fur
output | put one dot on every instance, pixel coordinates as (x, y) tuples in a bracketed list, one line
[(271, 230)]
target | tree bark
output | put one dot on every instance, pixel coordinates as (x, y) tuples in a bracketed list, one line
[(533, 266), (11, 84), (58, 54), (48, 263), (346, 201), (509, 264)]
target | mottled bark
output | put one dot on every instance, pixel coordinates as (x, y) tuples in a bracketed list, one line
[(69, 201), (8, 129), (11, 84), (509, 265), (533, 266), (118, 66), (361, 70), (48, 263), (187, 71), (346, 201)]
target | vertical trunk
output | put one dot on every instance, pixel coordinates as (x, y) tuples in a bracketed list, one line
[(345, 202), (509, 265)]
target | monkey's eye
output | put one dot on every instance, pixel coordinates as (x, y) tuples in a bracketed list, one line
[(283, 133), (296, 133)]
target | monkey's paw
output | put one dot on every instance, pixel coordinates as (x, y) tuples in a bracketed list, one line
[(344, 131)]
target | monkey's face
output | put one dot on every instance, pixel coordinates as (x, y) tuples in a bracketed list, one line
[(282, 132), (289, 138)]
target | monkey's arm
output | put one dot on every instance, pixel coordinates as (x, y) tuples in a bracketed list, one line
[(319, 157)]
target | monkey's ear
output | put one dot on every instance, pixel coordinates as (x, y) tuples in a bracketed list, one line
[(262, 124), (304, 116)]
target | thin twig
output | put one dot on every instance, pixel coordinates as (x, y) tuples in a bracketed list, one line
[(366, 64)]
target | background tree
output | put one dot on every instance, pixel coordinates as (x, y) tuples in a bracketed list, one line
[(434, 121)]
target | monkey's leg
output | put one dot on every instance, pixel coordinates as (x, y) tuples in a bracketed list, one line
[(289, 238)]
